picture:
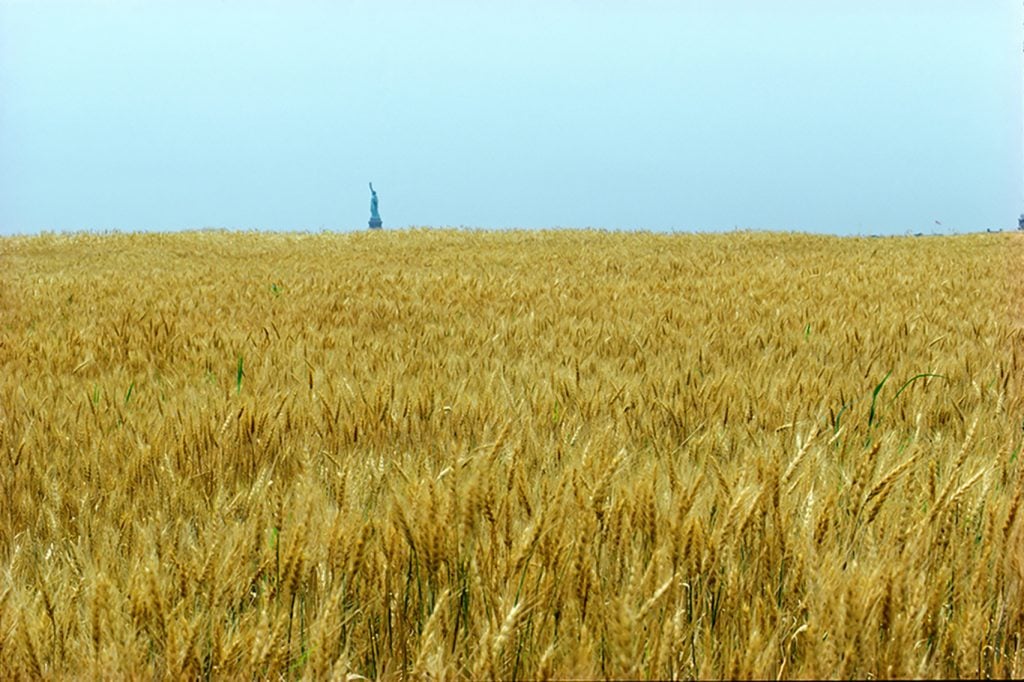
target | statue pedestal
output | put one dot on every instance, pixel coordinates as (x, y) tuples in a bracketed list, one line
[(375, 223)]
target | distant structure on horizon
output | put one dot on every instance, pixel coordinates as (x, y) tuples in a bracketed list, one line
[(375, 221)]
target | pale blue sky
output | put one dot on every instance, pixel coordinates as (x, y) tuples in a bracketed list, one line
[(838, 116)]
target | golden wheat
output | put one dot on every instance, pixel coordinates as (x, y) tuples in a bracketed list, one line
[(516, 455)]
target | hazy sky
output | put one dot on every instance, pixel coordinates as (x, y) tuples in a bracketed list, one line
[(843, 116)]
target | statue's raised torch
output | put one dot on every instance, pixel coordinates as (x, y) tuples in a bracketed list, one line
[(375, 221)]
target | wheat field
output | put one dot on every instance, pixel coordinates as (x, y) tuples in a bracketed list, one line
[(514, 455)]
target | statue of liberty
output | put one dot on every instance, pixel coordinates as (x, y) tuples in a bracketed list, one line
[(375, 221)]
